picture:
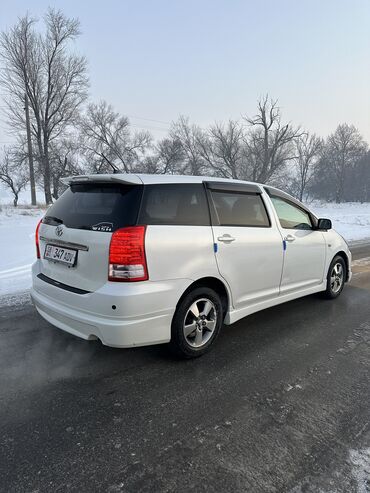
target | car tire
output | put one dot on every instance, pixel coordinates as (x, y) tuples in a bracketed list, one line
[(336, 278), (196, 323)]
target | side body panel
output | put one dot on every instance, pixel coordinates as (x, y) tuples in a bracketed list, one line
[(332, 244), (251, 263), (180, 252), (307, 256), (305, 260)]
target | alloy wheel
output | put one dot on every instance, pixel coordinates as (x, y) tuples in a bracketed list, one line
[(200, 322), (337, 277)]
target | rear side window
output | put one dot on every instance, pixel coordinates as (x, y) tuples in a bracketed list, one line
[(182, 204), (99, 207), (240, 209), (291, 216)]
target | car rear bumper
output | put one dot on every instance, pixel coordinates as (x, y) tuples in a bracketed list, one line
[(142, 315)]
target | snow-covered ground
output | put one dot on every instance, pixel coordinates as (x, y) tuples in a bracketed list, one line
[(351, 219), (17, 248), (17, 245)]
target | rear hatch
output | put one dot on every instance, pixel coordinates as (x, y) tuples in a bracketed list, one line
[(75, 234)]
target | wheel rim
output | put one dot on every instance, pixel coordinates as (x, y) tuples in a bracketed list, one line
[(200, 322), (336, 277)]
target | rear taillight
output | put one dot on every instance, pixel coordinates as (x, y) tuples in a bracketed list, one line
[(37, 239), (127, 260)]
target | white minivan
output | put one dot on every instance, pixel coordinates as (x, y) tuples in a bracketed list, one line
[(135, 260)]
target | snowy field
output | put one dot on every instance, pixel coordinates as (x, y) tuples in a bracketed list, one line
[(351, 219), (17, 230)]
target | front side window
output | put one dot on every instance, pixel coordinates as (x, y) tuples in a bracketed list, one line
[(291, 216), (180, 204), (240, 209)]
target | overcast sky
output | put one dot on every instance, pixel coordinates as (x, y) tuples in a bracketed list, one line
[(211, 60)]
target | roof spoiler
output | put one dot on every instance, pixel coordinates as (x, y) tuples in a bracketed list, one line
[(127, 179)]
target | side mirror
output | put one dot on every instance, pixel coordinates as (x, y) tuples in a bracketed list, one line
[(324, 224)]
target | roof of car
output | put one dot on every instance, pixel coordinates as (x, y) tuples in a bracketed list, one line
[(148, 179)]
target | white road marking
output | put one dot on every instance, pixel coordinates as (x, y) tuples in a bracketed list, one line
[(361, 262), (16, 271)]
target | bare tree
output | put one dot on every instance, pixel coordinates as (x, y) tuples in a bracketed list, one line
[(221, 147), (13, 173), (170, 156), (64, 161), (270, 142), (308, 149), (107, 140), (188, 136), (342, 150), (150, 164), (40, 66)]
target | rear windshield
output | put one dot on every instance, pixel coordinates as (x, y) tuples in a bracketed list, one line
[(98, 207)]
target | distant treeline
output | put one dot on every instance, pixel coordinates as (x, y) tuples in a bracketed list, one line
[(70, 135)]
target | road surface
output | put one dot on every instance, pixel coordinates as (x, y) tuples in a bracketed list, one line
[(281, 404)]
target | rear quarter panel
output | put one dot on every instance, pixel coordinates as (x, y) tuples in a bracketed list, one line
[(180, 252)]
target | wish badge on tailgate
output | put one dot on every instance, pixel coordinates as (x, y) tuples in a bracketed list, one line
[(105, 227)]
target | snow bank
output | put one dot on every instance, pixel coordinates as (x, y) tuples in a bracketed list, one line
[(17, 248)]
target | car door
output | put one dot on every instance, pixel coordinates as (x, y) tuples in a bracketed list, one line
[(249, 249), (305, 248)]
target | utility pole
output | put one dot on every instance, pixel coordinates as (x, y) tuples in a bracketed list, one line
[(30, 152)]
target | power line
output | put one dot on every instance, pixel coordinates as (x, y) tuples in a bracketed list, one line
[(148, 127), (149, 119)]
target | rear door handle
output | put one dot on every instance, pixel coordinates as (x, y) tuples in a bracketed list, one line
[(226, 238), (289, 238)]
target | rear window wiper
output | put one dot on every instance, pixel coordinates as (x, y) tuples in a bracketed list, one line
[(52, 220)]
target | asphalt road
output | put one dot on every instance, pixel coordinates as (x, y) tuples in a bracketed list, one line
[(281, 404)]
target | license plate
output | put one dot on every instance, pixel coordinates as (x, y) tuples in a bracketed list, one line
[(61, 254)]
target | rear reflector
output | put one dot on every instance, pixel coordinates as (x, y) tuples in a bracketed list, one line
[(127, 260), (37, 239)]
